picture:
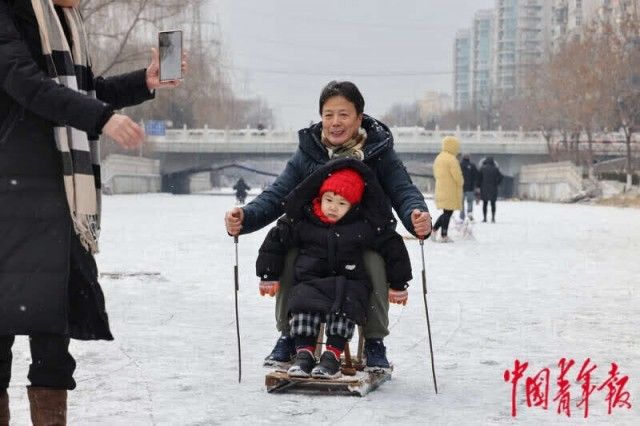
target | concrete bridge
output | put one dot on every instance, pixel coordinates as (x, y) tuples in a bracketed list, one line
[(263, 153)]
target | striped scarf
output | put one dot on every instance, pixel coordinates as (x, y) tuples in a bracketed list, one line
[(71, 67), (350, 149)]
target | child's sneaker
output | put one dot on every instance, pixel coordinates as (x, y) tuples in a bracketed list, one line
[(328, 367), (302, 364), (446, 239)]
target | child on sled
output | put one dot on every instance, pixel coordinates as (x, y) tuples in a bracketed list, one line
[(331, 218)]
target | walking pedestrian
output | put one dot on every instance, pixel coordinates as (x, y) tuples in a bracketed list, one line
[(470, 175), (449, 180), (241, 188), (489, 179)]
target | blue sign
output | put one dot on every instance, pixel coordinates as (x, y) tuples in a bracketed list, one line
[(154, 128)]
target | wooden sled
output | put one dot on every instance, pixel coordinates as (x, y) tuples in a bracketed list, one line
[(354, 381)]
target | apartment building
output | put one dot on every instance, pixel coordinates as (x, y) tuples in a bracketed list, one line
[(462, 70), (571, 17), (522, 35), (504, 45), (481, 58)]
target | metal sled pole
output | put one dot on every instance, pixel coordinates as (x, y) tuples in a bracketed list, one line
[(236, 288), (426, 309)]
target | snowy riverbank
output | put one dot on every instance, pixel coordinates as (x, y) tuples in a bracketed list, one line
[(547, 281)]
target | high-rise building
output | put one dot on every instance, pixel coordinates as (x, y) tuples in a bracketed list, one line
[(572, 17), (462, 70), (522, 32), (481, 58)]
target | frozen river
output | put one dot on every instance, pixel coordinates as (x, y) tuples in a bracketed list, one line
[(547, 282)]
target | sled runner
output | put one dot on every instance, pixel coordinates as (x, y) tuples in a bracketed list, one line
[(354, 381), (358, 385)]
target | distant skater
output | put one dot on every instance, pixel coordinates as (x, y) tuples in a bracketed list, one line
[(470, 174), (241, 188), (488, 181)]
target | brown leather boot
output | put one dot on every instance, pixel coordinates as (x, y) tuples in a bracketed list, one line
[(48, 406), (4, 408)]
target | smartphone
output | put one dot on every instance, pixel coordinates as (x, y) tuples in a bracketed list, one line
[(170, 50)]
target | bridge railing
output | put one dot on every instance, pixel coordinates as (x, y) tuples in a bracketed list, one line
[(419, 134), (225, 135), (401, 134), (610, 141)]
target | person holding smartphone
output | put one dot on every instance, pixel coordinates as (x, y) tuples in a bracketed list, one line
[(52, 111)]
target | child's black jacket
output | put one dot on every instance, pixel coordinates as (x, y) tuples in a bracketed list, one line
[(329, 274)]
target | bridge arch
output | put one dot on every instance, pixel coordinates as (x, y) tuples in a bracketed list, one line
[(178, 182)]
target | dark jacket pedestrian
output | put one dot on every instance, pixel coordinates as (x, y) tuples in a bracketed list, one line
[(489, 179), (469, 173), (241, 188), (52, 110), (470, 176), (332, 219), (31, 182)]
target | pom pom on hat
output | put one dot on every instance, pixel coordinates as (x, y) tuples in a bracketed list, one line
[(345, 182)]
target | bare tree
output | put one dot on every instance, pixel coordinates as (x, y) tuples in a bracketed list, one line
[(119, 29), (123, 33), (627, 46), (586, 87), (403, 115), (465, 119)]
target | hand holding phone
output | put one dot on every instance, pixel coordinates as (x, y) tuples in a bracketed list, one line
[(172, 65), (170, 50)]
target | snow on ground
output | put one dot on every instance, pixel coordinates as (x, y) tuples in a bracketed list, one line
[(547, 281)]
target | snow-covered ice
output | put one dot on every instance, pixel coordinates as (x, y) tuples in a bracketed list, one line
[(547, 281)]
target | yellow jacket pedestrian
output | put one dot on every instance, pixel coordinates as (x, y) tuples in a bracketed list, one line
[(448, 175)]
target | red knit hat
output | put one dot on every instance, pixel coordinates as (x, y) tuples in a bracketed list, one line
[(345, 182)]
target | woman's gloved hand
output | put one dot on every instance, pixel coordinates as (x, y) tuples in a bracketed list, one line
[(398, 296), (269, 287)]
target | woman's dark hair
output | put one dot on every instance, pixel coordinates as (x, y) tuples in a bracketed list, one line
[(343, 88)]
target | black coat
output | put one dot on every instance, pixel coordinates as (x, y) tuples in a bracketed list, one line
[(241, 188), (379, 155), (48, 282), (470, 174), (329, 273), (488, 180)]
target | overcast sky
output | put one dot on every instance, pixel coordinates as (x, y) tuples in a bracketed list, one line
[(285, 51)]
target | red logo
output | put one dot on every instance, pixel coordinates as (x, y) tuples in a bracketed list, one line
[(537, 387)]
